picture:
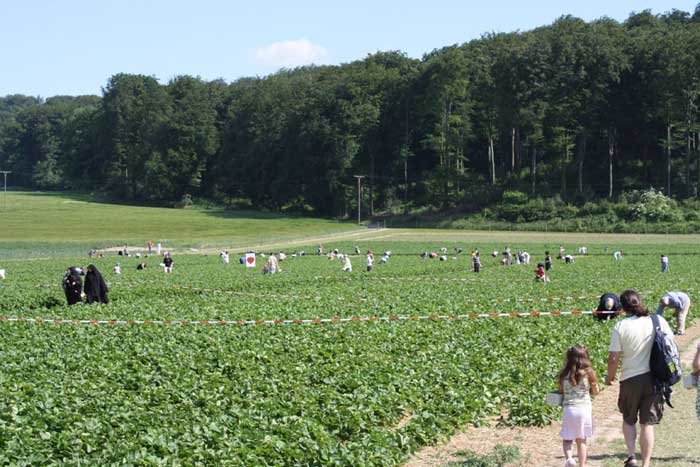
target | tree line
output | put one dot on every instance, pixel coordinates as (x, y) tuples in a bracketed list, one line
[(582, 110)]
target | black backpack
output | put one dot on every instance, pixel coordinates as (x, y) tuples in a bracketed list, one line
[(665, 362)]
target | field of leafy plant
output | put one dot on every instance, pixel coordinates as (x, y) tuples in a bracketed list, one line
[(337, 394)]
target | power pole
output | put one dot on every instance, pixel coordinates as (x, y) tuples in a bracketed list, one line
[(359, 195), (5, 172)]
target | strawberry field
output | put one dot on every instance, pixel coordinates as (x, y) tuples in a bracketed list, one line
[(340, 394)]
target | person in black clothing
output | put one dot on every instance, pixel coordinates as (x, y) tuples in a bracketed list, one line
[(547, 261), (608, 302), (95, 286), (72, 285)]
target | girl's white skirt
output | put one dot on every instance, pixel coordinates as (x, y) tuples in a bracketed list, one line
[(576, 423)]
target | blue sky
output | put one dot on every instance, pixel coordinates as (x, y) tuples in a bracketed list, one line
[(72, 46)]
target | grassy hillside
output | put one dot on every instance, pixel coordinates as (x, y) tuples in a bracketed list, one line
[(38, 222)]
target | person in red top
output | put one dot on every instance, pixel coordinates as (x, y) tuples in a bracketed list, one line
[(540, 274)]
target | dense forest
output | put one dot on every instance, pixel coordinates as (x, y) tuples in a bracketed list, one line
[(581, 111)]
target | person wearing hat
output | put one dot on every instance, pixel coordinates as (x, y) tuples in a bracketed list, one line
[(680, 302)]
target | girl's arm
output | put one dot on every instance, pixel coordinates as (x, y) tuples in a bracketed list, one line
[(593, 381)]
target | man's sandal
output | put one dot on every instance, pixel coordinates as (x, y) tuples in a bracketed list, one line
[(631, 462)]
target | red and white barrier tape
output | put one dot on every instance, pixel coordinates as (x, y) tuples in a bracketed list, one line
[(251, 322)]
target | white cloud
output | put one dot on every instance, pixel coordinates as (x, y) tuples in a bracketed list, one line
[(290, 53)]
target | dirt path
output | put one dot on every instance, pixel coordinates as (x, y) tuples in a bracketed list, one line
[(358, 234), (542, 446)]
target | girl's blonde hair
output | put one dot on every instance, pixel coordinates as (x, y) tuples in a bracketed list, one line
[(577, 366)]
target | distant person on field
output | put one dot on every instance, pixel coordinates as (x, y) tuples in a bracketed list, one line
[(369, 260), (608, 302), (225, 258), (357, 250), (168, 264), (664, 263), (569, 259), (525, 258), (319, 249), (72, 285), (91, 252), (2, 274), (618, 255), (476, 263), (141, 266), (583, 250), (631, 340), (117, 269), (561, 252), (149, 246), (95, 287), (158, 248), (577, 382), (384, 259), (347, 265), (540, 273), (680, 302), (547, 261), (274, 264)]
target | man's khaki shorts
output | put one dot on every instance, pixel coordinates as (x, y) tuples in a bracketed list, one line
[(639, 398)]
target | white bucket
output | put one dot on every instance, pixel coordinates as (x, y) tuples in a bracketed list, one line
[(554, 399), (690, 381)]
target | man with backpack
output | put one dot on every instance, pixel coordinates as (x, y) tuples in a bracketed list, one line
[(641, 393)]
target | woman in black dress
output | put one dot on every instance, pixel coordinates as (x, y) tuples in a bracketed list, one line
[(72, 285), (95, 286)]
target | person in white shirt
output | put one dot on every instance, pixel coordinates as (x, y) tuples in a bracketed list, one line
[(632, 339), (370, 260), (618, 255), (347, 265), (117, 269), (274, 264), (2, 274)]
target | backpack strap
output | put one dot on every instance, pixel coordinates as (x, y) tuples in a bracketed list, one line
[(663, 388)]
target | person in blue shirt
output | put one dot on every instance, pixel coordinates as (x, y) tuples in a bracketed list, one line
[(680, 302)]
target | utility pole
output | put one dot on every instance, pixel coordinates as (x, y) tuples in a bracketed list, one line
[(359, 195), (5, 172)]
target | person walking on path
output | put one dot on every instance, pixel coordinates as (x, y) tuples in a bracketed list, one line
[(577, 382), (632, 339), (95, 287), (680, 302)]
